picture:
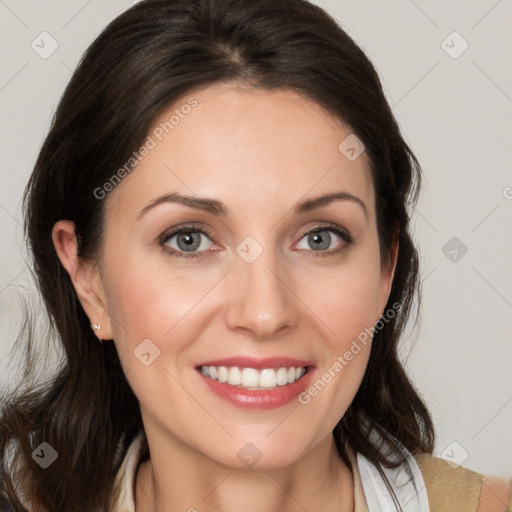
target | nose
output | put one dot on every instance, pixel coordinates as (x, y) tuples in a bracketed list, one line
[(261, 301)]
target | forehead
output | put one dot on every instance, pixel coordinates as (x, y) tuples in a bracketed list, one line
[(251, 148)]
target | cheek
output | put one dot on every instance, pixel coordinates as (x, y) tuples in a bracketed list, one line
[(149, 300), (146, 305), (346, 299), (346, 310), (157, 305), (347, 306)]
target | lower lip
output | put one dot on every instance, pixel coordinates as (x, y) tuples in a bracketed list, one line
[(249, 399)]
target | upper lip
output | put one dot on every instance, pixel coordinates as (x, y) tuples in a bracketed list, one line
[(258, 363)]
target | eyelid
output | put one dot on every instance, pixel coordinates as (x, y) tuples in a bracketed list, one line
[(324, 226), (192, 226)]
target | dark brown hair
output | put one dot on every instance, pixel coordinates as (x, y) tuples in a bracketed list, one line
[(144, 60)]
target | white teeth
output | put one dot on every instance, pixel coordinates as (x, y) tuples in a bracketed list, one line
[(251, 378), (234, 376), (223, 374), (282, 376), (267, 378)]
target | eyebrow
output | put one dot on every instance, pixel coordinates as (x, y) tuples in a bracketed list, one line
[(217, 208)]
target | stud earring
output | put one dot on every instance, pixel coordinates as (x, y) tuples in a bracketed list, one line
[(97, 327)]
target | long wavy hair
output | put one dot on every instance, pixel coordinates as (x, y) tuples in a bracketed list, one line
[(144, 60)]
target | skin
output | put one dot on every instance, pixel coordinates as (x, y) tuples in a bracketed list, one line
[(259, 153), (494, 495)]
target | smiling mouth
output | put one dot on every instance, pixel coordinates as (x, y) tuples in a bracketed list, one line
[(253, 379)]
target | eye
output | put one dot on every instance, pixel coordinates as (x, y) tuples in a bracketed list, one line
[(320, 240), (192, 241), (186, 241)]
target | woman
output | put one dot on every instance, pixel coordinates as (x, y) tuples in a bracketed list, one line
[(219, 225)]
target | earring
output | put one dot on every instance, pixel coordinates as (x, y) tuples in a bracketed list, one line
[(97, 327)]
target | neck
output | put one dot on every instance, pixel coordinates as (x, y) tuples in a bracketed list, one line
[(319, 481)]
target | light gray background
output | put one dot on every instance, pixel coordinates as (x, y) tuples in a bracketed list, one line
[(456, 116)]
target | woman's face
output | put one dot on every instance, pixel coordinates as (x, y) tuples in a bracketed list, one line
[(265, 275)]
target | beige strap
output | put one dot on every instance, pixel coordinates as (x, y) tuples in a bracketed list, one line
[(449, 487)]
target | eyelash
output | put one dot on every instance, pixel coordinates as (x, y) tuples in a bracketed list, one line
[(165, 237)]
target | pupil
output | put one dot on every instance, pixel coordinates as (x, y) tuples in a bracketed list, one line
[(316, 238), (190, 240)]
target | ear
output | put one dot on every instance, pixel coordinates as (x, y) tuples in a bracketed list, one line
[(85, 276), (388, 273)]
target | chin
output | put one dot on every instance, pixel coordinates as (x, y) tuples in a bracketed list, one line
[(259, 453)]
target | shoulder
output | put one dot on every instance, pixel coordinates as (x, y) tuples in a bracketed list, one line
[(453, 487), (496, 495)]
